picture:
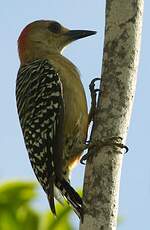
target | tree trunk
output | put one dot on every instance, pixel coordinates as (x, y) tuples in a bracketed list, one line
[(119, 70)]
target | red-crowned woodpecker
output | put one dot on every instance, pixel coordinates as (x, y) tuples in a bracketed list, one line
[(52, 107)]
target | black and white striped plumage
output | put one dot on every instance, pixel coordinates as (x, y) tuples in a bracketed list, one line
[(40, 104)]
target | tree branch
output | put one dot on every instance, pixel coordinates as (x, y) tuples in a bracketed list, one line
[(120, 63)]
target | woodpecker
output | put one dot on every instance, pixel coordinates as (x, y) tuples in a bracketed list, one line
[(52, 107)]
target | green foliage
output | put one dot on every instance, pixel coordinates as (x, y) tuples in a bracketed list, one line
[(16, 212), (61, 222)]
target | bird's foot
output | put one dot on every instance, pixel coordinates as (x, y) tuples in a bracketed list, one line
[(93, 92), (112, 141)]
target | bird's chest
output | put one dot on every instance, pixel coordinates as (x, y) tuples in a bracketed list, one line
[(75, 118), (75, 104)]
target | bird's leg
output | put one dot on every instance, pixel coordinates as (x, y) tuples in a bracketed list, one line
[(92, 112), (83, 146), (93, 92), (112, 141)]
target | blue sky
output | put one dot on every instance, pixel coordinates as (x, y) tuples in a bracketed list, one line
[(86, 54)]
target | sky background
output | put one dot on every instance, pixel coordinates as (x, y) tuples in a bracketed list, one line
[(134, 203)]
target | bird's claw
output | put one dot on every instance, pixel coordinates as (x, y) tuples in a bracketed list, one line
[(118, 142), (93, 92), (84, 158), (115, 141), (92, 84)]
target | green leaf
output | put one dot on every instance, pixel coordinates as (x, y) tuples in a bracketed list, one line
[(16, 193), (60, 222)]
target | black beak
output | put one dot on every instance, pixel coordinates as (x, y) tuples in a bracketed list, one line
[(77, 34)]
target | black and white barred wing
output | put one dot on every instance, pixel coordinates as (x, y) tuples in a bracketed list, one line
[(41, 112)]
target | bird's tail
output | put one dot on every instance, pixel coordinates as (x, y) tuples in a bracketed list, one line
[(71, 196)]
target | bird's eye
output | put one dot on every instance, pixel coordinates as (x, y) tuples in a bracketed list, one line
[(55, 27)]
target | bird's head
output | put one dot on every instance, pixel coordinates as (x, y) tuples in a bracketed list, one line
[(42, 37)]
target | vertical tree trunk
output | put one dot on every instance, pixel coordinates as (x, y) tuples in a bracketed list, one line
[(120, 63)]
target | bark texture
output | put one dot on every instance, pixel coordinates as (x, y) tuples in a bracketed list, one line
[(118, 82)]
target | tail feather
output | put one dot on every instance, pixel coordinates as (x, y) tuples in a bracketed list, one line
[(51, 196), (71, 196)]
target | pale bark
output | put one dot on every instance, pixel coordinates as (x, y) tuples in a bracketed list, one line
[(119, 70)]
